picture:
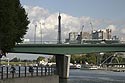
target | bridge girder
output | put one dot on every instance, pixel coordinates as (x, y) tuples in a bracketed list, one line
[(64, 49)]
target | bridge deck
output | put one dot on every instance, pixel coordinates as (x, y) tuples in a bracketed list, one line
[(68, 48)]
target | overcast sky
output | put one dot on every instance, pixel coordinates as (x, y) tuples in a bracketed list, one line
[(102, 14)]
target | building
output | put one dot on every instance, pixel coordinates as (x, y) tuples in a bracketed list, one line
[(97, 34), (102, 34), (73, 36), (86, 35), (96, 37), (107, 34)]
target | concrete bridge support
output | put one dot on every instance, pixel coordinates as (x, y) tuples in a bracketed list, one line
[(62, 65)]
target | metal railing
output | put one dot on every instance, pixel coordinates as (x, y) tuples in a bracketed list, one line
[(40, 42), (23, 71), (73, 42)]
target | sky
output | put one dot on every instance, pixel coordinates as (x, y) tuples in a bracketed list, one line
[(102, 14), (106, 9), (24, 56)]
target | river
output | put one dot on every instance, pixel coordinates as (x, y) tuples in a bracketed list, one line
[(94, 76)]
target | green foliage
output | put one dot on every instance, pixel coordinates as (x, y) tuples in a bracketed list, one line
[(13, 24), (53, 59), (90, 58), (40, 58), (120, 59)]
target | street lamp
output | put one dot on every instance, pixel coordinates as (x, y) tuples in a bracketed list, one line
[(41, 32), (35, 34), (43, 26), (92, 30)]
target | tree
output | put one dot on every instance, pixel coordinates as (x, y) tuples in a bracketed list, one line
[(40, 58), (13, 24), (53, 59), (76, 58), (90, 58)]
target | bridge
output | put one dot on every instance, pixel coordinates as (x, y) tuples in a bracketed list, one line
[(63, 52), (64, 49)]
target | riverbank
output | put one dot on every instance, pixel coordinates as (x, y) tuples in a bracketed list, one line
[(40, 79), (16, 63)]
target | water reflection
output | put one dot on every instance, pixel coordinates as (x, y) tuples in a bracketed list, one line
[(87, 76), (63, 80)]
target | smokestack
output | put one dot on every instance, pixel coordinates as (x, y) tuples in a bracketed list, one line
[(59, 29)]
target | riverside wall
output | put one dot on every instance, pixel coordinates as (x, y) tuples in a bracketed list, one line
[(42, 79)]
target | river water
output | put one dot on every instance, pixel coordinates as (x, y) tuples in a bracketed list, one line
[(94, 76)]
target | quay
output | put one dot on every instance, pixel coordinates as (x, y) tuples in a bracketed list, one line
[(22, 75)]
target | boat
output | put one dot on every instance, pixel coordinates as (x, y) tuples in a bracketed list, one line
[(89, 67), (75, 66)]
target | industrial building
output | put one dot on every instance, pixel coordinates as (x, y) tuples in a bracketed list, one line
[(95, 37)]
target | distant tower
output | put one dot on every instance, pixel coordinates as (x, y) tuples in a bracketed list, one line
[(59, 29)]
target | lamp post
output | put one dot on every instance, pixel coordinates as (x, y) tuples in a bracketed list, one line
[(41, 32), (35, 34), (92, 30), (43, 27)]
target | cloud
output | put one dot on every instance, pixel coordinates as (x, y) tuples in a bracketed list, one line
[(112, 27), (47, 24), (36, 11), (123, 31)]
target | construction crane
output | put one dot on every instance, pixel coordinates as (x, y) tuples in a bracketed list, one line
[(82, 28), (91, 26)]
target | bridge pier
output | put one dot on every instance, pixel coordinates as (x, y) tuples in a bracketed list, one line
[(62, 65)]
